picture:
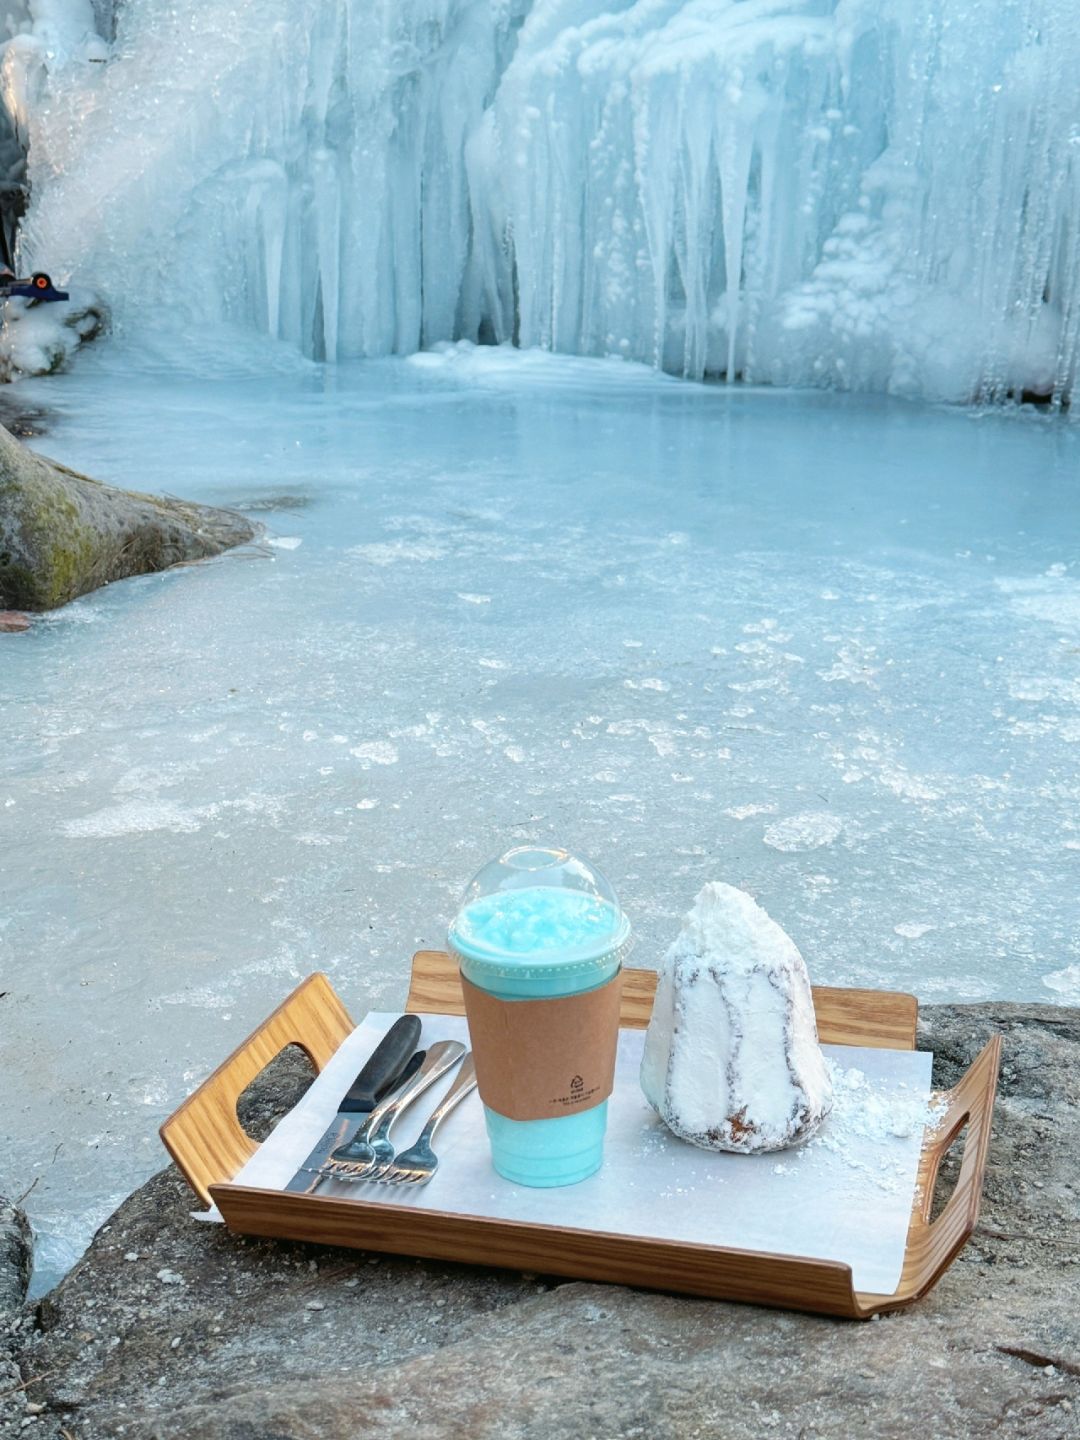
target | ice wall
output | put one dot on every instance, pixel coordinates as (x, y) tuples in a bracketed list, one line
[(878, 194), (293, 165), (869, 194)]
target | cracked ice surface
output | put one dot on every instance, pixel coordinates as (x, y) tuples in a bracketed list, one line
[(825, 650)]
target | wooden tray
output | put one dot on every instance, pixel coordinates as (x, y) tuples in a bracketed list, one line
[(207, 1142)]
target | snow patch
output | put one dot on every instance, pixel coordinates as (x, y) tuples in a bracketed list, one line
[(134, 817), (744, 812), (375, 752), (39, 339), (390, 552), (1052, 598), (911, 930), (1065, 983), (809, 831)]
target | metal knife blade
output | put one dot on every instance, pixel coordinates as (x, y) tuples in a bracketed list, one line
[(383, 1070)]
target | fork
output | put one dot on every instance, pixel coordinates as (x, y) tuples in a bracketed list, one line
[(371, 1148), (418, 1164)]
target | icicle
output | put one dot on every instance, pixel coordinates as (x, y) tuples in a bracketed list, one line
[(828, 191)]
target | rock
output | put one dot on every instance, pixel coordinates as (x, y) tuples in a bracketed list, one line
[(62, 534), (13, 623), (732, 1060), (994, 1349), (16, 1252), (15, 1260)]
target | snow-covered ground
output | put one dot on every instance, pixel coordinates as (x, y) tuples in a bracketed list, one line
[(824, 649)]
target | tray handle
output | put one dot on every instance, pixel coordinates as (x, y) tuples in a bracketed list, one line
[(204, 1136), (934, 1244)]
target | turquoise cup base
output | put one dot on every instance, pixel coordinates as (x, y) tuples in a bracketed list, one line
[(547, 1153), (564, 1149)]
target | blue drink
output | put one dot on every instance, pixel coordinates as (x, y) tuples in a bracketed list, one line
[(540, 924)]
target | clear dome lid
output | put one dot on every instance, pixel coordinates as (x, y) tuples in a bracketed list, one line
[(541, 905)]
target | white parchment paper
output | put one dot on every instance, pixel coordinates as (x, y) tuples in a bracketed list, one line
[(845, 1195)]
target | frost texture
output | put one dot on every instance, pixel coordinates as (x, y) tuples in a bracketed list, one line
[(851, 193)]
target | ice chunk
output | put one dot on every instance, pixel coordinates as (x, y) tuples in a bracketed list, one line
[(732, 1060)]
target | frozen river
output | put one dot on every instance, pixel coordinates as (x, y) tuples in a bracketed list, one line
[(825, 648)]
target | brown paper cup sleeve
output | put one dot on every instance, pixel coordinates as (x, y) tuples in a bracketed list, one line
[(539, 1059)]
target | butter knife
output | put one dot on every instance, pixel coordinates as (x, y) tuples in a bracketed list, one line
[(384, 1070)]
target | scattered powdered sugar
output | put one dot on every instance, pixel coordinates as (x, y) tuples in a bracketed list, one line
[(865, 1117)]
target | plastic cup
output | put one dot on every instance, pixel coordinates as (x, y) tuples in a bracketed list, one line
[(540, 924)]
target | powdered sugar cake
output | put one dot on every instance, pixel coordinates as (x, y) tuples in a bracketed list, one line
[(732, 1060)]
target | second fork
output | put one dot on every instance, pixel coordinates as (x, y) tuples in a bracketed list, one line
[(417, 1164), (364, 1154)]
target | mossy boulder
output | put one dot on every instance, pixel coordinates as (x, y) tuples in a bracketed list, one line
[(62, 534)]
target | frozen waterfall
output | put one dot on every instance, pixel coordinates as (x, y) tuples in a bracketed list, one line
[(866, 194)]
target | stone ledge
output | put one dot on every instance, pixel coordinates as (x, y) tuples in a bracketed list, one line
[(167, 1329)]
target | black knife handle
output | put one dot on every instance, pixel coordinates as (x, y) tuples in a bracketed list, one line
[(387, 1061), (406, 1075)]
